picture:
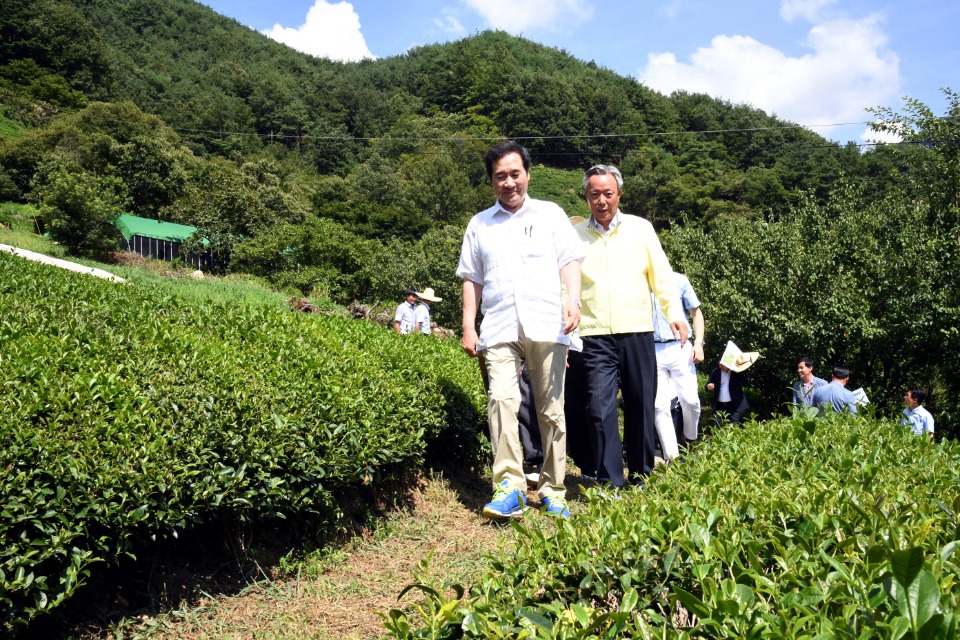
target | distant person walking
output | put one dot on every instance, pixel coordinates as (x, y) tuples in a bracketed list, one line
[(422, 310), (405, 319), (915, 415)]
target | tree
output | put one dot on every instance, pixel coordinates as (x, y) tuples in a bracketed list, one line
[(431, 261), (939, 138), (849, 282), (78, 210)]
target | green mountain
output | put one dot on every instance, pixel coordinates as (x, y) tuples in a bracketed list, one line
[(166, 109)]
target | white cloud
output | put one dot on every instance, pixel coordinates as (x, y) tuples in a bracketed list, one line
[(671, 9), (882, 137), (517, 16), (810, 10), (450, 24), (849, 69), (330, 31)]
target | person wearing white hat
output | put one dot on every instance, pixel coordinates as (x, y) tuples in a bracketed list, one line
[(423, 310), (727, 382)]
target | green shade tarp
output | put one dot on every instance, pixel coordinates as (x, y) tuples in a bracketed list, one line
[(170, 231)]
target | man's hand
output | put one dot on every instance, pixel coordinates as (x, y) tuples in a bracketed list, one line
[(469, 341), (697, 354), (571, 317), (680, 331)]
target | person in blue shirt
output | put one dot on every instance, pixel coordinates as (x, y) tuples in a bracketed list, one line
[(915, 416), (676, 368), (835, 396), (803, 388), (422, 310)]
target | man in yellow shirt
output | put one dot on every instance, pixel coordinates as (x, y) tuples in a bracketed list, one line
[(624, 263)]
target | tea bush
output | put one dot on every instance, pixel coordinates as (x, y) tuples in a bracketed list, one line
[(842, 527), (129, 414)]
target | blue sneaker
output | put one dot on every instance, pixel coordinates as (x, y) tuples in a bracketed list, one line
[(505, 503), (556, 506)]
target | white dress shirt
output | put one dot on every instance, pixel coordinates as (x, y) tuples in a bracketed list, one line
[(517, 259), (724, 395)]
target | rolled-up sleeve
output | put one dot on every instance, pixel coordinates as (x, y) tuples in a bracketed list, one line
[(567, 244), (471, 262)]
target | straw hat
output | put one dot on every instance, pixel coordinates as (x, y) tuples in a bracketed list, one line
[(737, 360), (427, 294)]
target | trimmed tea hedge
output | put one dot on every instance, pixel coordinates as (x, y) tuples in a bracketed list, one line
[(844, 527), (128, 414)]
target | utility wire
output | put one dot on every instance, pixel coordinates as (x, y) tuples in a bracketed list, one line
[(286, 136)]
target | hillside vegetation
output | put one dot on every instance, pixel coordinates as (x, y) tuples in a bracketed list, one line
[(840, 527), (132, 412), (131, 415)]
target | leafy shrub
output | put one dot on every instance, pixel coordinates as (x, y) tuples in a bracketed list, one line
[(844, 527), (78, 209), (131, 415)]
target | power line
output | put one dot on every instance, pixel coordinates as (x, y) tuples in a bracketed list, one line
[(651, 134)]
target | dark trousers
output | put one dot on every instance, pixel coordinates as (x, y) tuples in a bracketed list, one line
[(628, 362), (579, 443), (529, 424), (729, 411)]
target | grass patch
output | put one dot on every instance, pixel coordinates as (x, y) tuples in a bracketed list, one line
[(230, 289), (9, 129), (18, 228)]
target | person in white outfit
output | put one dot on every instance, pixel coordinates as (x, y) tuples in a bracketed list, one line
[(676, 369)]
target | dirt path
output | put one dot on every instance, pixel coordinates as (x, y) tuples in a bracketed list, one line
[(340, 595)]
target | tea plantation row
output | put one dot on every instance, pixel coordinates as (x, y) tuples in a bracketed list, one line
[(129, 415), (843, 527)]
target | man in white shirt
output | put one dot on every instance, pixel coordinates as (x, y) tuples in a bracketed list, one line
[(915, 415), (405, 319), (514, 257)]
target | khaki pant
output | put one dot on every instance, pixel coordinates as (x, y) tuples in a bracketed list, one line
[(546, 364)]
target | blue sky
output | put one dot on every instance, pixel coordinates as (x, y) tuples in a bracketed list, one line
[(819, 63)]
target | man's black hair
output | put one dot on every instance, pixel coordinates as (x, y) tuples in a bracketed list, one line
[(918, 394), (808, 361), (841, 373), (502, 149)]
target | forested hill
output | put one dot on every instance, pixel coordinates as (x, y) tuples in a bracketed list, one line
[(351, 180), (208, 77)]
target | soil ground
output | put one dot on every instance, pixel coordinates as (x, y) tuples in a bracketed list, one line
[(437, 537)]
